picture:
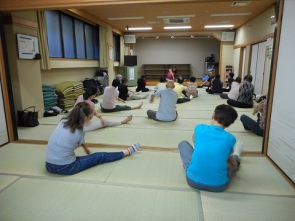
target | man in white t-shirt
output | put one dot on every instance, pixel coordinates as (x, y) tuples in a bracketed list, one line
[(110, 96)]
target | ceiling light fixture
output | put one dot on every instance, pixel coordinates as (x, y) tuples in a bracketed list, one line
[(140, 28), (177, 16), (178, 27), (218, 26), (230, 14), (126, 18)]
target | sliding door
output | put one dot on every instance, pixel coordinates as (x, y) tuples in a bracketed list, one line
[(3, 125), (257, 65), (281, 143)]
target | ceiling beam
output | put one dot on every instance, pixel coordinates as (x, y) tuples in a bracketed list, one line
[(17, 5)]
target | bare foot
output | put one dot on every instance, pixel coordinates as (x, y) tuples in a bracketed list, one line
[(129, 118), (140, 105), (126, 153)]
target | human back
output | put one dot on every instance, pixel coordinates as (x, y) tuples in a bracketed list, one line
[(214, 143), (166, 110)]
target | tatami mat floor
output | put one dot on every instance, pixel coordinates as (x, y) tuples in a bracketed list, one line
[(150, 185)]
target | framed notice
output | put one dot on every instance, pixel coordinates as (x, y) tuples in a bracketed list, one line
[(27, 46), (110, 52)]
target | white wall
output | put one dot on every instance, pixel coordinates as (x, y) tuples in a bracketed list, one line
[(227, 58), (56, 76), (25, 74), (255, 29), (177, 51), (281, 144)]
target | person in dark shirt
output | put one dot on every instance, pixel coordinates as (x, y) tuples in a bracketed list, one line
[(141, 84), (216, 86), (123, 92)]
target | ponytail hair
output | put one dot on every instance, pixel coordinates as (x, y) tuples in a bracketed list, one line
[(92, 90), (76, 117)]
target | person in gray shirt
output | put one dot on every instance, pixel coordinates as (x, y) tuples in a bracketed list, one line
[(68, 135), (166, 110)]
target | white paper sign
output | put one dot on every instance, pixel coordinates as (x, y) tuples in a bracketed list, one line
[(131, 73), (27, 46)]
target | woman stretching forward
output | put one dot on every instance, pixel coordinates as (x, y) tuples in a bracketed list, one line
[(90, 94), (67, 136)]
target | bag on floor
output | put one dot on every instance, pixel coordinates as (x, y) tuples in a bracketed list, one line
[(27, 118)]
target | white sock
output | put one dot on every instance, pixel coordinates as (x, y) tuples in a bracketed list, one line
[(238, 148)]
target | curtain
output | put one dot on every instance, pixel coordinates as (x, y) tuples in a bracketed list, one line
[(122, 51), (103, 47), (42, 37)]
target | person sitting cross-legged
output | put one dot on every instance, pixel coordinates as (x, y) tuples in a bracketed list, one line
[(210, 164), (166, 110), (181, 91)]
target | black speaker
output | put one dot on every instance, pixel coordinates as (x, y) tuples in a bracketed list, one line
[(210, 59)]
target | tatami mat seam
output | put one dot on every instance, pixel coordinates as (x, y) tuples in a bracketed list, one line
[(200, 205), (10, 184), (141, 186)]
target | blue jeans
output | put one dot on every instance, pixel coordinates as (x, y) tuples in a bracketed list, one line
[(250, 124), (186, 151), (84, 162)]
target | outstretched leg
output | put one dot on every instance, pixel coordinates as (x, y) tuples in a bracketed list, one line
[(129, 118), (138, 107)]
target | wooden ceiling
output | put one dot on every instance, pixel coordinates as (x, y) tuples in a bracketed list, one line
[(202, 11)]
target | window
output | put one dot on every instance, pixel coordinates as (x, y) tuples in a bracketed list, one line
[(69, 37), (67, 31), (96, 42), (89, 42), (116, 43), (53, 34), (79, 39)]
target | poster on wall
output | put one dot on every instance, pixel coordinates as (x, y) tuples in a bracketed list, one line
[(27, 46), (110, 52), (131, 74)]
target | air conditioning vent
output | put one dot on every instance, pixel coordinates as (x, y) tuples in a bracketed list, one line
[(153, 22), (129, 39), (240, 3), (176, 20), (228, 36), (223, 21)]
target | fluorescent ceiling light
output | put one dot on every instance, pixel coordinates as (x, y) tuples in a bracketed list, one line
[(232, 14), (142, 28), (127, 18), (177, 16), (218, 26), (178, 27)]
